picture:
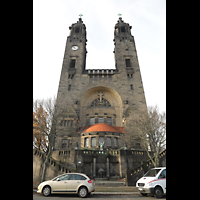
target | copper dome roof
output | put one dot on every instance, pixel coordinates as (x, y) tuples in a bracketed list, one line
[(102, 127)]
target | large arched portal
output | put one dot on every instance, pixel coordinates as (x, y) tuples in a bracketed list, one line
[(101, 105)]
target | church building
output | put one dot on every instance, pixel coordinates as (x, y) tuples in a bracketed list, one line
[(93, 104)]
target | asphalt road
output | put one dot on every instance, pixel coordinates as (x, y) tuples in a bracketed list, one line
[(37, 196)]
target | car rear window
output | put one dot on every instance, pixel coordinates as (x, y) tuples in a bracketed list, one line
[(88, 176), (83, 178)]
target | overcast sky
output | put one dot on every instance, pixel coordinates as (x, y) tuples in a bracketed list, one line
[(51, 21)]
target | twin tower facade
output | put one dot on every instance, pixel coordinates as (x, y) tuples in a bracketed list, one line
[(93, 105)]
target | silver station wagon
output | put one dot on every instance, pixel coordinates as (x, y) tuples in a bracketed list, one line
[(69, 183)]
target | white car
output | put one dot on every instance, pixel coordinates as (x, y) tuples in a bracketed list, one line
[(153, 182), (69, 183)]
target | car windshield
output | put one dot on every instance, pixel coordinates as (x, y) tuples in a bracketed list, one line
[(152, 172)]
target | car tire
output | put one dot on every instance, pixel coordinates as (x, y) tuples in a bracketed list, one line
[(82, 192), (46, 191), (144, 194), (158, 192)]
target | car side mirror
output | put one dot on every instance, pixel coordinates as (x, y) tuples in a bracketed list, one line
[(58, 179)]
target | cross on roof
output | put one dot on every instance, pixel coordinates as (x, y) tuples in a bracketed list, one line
[(80, 15), (119, 15)]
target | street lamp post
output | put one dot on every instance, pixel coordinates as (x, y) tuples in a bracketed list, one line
[(126, 157), (127, 165)]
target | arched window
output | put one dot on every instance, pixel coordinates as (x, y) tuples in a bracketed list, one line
[(102, 102)]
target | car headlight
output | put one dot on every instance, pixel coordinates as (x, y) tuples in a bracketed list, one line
[(148, 184), (41, 184)]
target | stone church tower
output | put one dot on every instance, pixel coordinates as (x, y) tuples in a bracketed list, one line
[(93, 104)]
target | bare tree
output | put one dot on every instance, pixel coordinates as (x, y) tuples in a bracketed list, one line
[(39, 134), (42, 125), (148, 127)]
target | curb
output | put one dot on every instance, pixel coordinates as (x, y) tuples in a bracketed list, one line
[(117, 193), (113, 193)]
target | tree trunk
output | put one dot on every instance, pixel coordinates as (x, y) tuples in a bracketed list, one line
[(51, 138), (156, 159), (45, 166)]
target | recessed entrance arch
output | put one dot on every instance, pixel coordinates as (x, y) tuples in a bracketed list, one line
[(103, 102)]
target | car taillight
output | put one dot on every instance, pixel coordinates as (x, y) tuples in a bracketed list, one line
[(89, 181)]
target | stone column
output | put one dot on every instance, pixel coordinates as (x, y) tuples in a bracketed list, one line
[(114, 120), (120, 164), (105, 118), (87, 120), (107, 168), (94, 167), (96, 118), (97, 142), (89, 145)]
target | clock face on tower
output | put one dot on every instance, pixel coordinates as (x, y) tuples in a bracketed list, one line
[(74, 48)]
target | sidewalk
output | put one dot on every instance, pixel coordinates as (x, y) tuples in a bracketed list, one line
[(116, 190), (111, 190)]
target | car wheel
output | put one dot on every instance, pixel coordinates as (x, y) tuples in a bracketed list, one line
[(158, 192), (144, 194), (46, 191), (82, 192)]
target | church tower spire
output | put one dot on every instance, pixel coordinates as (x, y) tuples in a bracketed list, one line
[(126, 60), (74, 62), (125, 49), (75, 52)]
